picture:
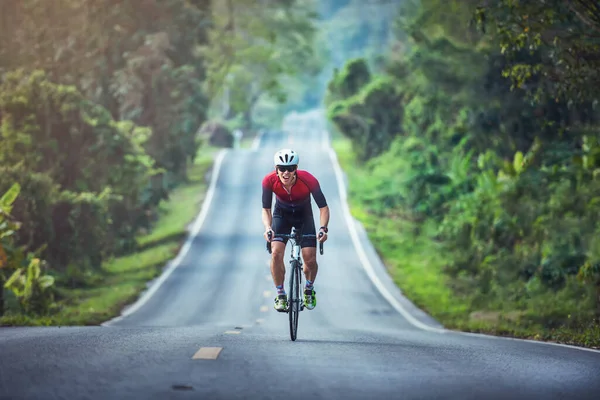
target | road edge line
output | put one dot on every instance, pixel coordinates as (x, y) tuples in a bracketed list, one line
[(184, 249), (364, 260)]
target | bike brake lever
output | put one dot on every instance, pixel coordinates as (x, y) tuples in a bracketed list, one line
[(321, 244), (269, 242)]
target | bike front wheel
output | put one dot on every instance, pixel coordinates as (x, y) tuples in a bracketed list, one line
[(295, 299)]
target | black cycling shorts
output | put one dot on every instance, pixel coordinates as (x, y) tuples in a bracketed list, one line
[(302, 220)]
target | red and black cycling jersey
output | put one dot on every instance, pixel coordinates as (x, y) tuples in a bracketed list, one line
[(299, 195)]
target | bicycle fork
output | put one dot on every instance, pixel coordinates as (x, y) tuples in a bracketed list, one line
[(296, 264)]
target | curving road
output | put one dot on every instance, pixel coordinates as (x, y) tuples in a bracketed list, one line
[(207, 329)]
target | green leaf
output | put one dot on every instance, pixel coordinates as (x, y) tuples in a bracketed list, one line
[(7, 233), (9, 197), (46, 281), (518, 162), (15, 282)]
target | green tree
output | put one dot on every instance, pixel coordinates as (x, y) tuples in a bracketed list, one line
[(75, 163), (252, 47), (552, 46)]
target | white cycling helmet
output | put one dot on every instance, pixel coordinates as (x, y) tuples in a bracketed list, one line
[(286, 157)]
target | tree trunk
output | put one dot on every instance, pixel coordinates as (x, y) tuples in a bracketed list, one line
[(248, 113), (248, 120)]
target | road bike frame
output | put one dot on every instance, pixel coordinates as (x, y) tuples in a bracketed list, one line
[(295, 303)]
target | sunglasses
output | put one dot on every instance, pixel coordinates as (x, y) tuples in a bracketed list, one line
[(289, 168)]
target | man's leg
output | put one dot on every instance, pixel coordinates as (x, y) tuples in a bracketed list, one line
[(309, 255), (280, 225), (277, 265), (278, 274), (309, 246)]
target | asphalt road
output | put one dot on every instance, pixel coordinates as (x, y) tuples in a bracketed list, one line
[(207, 329)]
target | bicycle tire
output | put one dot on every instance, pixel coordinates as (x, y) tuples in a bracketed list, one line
[(294, 299)]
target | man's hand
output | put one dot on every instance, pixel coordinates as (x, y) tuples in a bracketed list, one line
[(322, 236), (266, 234)]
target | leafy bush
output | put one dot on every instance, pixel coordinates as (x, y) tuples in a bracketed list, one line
[(31, 288), (366, 119), (346, 83), (23, 269)]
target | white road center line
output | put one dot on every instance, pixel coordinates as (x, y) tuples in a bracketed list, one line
[(207, 353)]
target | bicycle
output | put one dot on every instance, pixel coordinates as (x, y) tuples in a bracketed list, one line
[(295, 303)]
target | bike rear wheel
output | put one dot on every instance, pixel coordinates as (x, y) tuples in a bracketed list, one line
[(295, 301)]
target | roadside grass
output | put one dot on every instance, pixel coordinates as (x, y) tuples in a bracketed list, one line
[(415, 262), (121, 280)]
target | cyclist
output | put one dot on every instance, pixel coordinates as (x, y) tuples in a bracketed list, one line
[(292, 188)]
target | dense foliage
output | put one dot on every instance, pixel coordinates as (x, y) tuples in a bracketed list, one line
[(492, 136), (99, 118)]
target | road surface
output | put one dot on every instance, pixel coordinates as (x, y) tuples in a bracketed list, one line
[(207, 328)]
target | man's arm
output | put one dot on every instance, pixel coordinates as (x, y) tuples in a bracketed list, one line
[(267, 218), (324, 219), (324, 216), (267, 199)]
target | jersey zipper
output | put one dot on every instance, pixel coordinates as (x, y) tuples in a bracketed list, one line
[(289, 192)]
